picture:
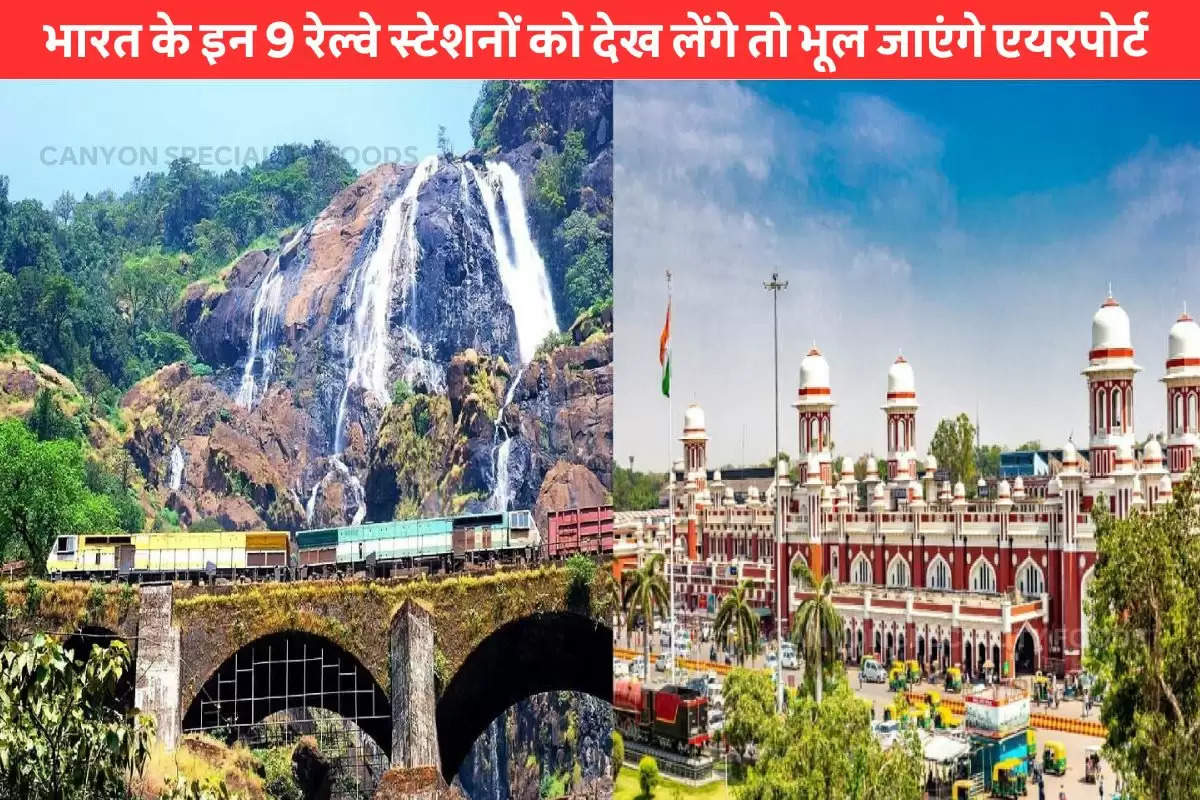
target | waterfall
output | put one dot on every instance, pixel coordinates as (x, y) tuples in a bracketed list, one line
[(370, 294), (176, 475), (311, 506), (264, 329), (501, 448), (356, 490), (522, 271)]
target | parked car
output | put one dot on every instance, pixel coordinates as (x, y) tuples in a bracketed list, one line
[(872, 671), (790, 661), (772, 661), (886, 732), (663, 663), (620, 668), (716, 720)]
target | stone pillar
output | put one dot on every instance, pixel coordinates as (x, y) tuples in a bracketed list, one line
[(414, 697), (156, 689)]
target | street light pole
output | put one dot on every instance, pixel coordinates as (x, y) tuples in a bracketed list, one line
[(775, 286)]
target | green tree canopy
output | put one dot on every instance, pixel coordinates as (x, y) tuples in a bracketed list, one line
[(953, 445), (61, 735), (636, 491), (826, 751), (737, 622), (43, 495), (1144, 641)]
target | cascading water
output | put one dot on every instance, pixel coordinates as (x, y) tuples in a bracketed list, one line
[(268, 312), (395, 257), (522, 271), (501, 448), (175, 480)]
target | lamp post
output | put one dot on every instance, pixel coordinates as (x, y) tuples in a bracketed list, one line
[(775, 286)]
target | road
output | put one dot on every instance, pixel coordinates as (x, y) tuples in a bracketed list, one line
[(1072, 783)]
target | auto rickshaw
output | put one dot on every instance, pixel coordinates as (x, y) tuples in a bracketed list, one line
[(1030, 749), (953, 680), (933, 699), (896, 680), (943, 717), (920, 714), (1007, 778), (1041, 689), (961, 790), (1054, 758), (914, 673), (1091, 763)]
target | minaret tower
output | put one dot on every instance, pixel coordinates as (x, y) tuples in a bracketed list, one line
[(813, 405), (1109, 374), (695, 443), (900, 409), (1183, 394)]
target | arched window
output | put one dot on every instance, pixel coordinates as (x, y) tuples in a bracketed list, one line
[(860, 570), (814, 435), (1030, 579), (1191, 417), (983, 577), (1101, 405), (1118, 411), (898, 572), (833, 566), (938, 574), (1177, 422)]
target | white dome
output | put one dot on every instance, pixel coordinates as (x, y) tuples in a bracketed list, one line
[(728, 492), (1184, 340), (847, 468), (1152, 452), (752, 494), (918, 493), (872, 468), (900, 379), (1004, 490), (814, 371), (1164, 485), (1124, 451), (931, 463), (693, 418), (960, 489), (1110, 327), (1054, 487), (716, 476), (878, 493), (1070, 454), (781, 468)]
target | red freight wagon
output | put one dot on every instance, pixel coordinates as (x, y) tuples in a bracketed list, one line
[(580, 530)]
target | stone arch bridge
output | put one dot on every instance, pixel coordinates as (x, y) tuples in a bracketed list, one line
[(421, 666)]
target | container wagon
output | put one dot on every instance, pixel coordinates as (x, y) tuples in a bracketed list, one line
[(170, 555)]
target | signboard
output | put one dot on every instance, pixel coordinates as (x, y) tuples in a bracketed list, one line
[(996, 718), (900, 493), (984, 491), (941, 475)]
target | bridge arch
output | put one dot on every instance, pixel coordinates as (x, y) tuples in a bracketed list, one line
[(287, 670), (544, 652)]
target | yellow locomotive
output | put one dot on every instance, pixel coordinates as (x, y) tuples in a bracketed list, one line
[(169, 554)]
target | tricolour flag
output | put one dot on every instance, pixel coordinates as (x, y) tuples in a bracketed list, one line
[(664, 353)]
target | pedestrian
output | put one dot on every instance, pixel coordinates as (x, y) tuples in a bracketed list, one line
[(1062, 793), (1100, 783), (1041, 790)]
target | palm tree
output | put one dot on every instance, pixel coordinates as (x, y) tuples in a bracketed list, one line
[(817, 629), (646, 595), (613, 596), (736, 618)]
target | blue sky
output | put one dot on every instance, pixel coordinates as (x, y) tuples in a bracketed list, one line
[(154, 117), (972, 225)]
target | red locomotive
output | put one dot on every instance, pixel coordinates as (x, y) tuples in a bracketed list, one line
[(673, 718)]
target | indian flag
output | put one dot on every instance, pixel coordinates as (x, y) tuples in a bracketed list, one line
[(664, 353)]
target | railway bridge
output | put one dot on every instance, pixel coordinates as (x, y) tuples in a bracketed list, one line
[(422, 667)]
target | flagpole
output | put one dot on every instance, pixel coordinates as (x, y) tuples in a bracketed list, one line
[(670, 495)]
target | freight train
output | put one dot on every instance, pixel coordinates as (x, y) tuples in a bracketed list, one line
[(673, 718), (444, 544)]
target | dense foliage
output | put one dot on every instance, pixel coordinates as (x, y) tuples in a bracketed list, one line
[(88, 285), (636, 491), (646, 597), (737, 625), (953, 445), (572, 222), (1144, 642), (817, 630), (61, 734)]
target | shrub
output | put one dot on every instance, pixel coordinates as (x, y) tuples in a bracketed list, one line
[(648, 775)]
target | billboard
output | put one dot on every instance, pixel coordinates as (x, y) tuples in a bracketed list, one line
[(996, 718)]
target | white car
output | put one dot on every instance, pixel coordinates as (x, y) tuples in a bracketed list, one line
[(886, 732), (663, 663), (716, 720), (772, 661), (873, 672), (789, 660), (620, 668)]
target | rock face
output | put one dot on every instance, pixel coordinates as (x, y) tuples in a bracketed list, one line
[(379, 360)]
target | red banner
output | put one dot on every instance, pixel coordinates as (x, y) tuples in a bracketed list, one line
[(540, 39)]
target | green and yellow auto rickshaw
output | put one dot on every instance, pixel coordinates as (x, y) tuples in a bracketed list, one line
[(961, 790), (896, 680), (1031, 749), (1054, 758), (953, 682), (1041, 689), (914, 673), (1007, 779)]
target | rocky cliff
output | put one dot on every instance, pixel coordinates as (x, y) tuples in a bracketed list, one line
[(399, 353)]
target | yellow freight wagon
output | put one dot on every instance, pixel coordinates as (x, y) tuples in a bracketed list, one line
[(169, 554)]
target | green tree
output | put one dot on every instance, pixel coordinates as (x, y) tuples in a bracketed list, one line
[(826, 751), (636, 491), (61, 735), (581, 572), (987, 461), (646, 597), (750, 716), (214, 244), (589, 278), (817, 630), (618, 752), (1032, 444), (47, 421), (42, 494), (1143, 639), (648, 776), (953, 445), (737, 622)]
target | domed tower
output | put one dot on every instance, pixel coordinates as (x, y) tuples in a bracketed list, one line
[(900, 409), (1183, 393), (695, 440), (1109, 374), (814, 402)]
